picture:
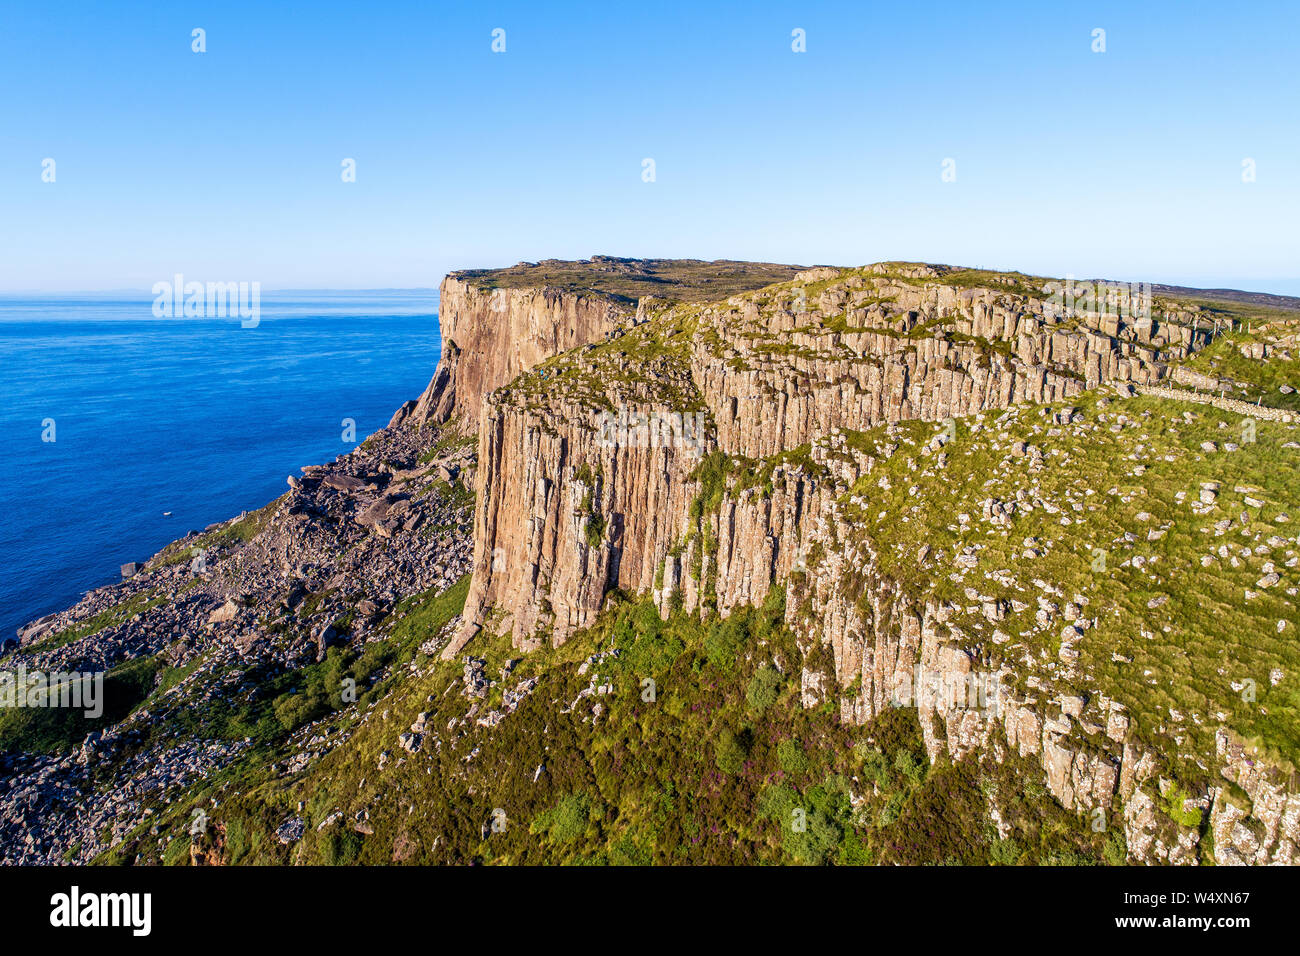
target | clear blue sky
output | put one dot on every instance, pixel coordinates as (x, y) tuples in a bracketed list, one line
[(226, 165)]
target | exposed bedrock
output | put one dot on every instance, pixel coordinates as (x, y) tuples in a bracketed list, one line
[(489, 336), (779, 371), (771, 370), (563, 517)]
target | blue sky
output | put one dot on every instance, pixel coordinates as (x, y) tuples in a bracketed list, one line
[(226, 165)]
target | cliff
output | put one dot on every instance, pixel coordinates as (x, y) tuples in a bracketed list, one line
[(491, 335), (496, 324), (762, 373), (710, 451)]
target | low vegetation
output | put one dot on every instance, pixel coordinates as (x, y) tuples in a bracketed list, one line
[(699, 751)]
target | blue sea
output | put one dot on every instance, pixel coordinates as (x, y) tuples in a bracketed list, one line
[(161, 426)]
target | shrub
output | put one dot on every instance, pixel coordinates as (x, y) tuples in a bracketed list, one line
[(1004, 852), (567, 820), (728, 752), (790, 755), (906, 763), (764, 687), (725, 639)]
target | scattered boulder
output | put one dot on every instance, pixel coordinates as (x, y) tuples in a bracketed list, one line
[(348, 484), (226, 612), (291, 830)]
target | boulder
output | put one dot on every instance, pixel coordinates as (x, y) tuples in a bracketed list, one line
[(348, 484), (36, 629), (224, 613), (291, 831)]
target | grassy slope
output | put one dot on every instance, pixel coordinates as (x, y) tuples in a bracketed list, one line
[(61, 729), (1114, 479), (721, 767), (1262, 380)]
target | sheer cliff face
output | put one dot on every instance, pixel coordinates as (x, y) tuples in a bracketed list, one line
[(565, 517), (705, 453), (489, 336), (764, 373), (590, 484)]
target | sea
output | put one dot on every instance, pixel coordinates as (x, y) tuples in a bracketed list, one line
[(123, 431)]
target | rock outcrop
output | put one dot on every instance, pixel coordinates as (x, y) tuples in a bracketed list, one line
[(565, 518), (863, 347), (497, 324), (491, 335)]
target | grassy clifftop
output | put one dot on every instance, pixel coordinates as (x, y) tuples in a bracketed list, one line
[(678, 280)]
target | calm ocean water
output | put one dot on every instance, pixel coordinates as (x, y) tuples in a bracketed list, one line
[(197, 417)]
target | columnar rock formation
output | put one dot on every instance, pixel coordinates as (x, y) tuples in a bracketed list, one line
[(491, 335), (591, 479), (565, 518), (868, 348), (771, 370)]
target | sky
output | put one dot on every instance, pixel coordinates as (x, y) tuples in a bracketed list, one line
[(227, 165)]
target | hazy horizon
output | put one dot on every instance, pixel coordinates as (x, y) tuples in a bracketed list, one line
[(1279, 287)]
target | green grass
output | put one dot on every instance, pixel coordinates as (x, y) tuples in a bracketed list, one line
[(720, 764), (419, 617), (626, 280), (1262, 378), (60, 729), (114, 616), (1173, 665), (647, 365), (239, 531), (447, 441)]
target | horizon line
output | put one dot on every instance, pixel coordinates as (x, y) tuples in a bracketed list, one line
[(148, 293)]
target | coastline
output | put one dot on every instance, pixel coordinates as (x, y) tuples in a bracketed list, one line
[(234, 410)]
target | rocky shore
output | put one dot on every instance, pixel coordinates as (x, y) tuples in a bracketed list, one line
[(263, 594)]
